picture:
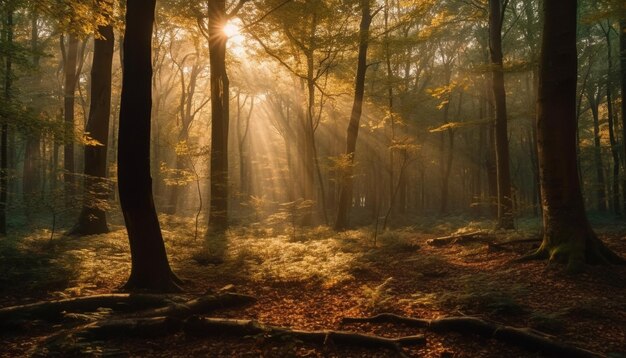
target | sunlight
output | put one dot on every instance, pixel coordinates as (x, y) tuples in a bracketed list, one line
[(236, 46), (231, 29)]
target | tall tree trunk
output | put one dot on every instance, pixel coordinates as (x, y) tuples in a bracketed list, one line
[(92, 218), (597, 154), (567, 234), (347, 183), (71, 59), (150, 268), (622, 46), (243, 128), (218, 215), (4, 128), (615, 193), (31, 170), (505, 203)]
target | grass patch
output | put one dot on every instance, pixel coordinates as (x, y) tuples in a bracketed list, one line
[(476, 293)]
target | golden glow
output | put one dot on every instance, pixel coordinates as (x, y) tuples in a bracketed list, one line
[(231, 29)]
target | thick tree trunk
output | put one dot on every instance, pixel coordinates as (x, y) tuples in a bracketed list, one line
[(345, 192), (71, 59), (568, 236), (505, 203), (4, 128), (150, 268), (218, 216), (92, 218)]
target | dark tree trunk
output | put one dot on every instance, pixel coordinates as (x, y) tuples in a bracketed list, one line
[(150, 268), (71, 57), (622, 46), (243, 128), (567, 234), (615, 192), (92, 218), (4, 128), (218, 215), (345, 192), (597, 154), (505, 203), (31, 181)]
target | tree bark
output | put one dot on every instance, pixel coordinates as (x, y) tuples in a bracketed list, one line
[(597, 154), (32, 157), (567, 234), (505, 203), (622, 46), (218, 215), (150, 269), (615, 192), (4, 127), (345, 192), (69, 89), (92, 218)]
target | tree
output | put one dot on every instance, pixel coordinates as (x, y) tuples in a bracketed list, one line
[(505, 202), (150, 268), (70, 59), (4, 126), (622, 47), (345, 192), (92, 218), (567, 234), (220, 114), (32, 158)]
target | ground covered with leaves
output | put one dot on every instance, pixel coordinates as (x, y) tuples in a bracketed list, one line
[(312, 278)]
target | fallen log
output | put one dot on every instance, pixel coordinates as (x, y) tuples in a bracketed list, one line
[(204, 326), (523, 337), (479, 236)]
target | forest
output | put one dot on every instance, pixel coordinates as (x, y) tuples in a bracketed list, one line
[(313, 178)]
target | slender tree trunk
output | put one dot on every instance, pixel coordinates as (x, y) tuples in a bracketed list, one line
[(597, 155), (622, 46), (150, 268), (32, 158), (505, 203), (243, 129), (567, 234), (71, 58), (92, 218), (4, 127), (218, 215), (615, 193), (345, 192)]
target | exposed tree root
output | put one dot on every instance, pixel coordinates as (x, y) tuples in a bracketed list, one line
[(201, 305), (203, 326), (523, 337), (52, 310), (588, 249), (477, 236), (504, 245), (167, 306)]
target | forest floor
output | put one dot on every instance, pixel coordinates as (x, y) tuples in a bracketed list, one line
[(312, 278)]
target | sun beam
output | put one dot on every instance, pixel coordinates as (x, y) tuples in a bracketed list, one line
[(231, 29)]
